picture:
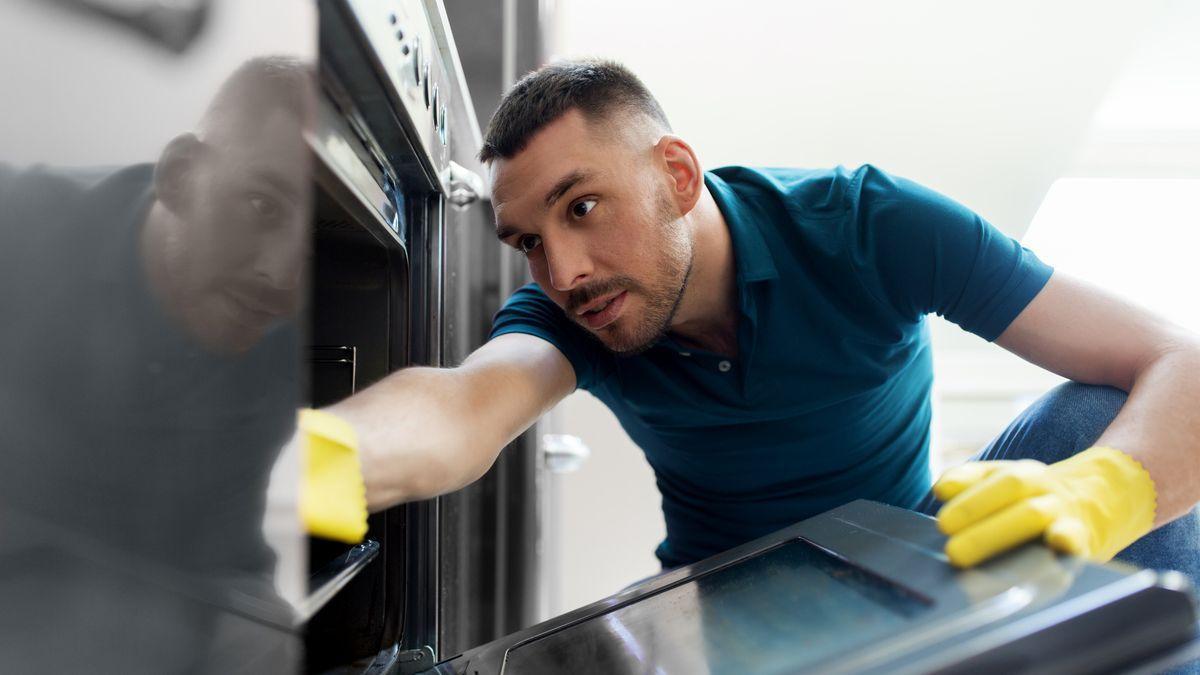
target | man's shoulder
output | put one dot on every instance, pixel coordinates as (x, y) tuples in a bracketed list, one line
[(62, 184), (817, 192), (530, 295), (45, 204), (530, 310)]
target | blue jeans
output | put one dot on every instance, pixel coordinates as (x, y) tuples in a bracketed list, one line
[(1066, 421)]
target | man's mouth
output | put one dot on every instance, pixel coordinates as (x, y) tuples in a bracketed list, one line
[(260, 310), (603, 311)]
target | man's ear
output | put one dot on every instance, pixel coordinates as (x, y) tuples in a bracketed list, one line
[(175, 173), (687, 178)]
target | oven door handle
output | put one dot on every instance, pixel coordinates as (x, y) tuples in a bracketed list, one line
[(465, 187)]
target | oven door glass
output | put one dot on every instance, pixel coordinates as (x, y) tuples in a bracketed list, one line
[(155, 214)]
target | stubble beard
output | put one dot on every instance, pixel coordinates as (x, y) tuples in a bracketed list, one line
[(660, 311), (629, 335)]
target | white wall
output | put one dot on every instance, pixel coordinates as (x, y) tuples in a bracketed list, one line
[(128, 98), (604, 519), (986, 102)]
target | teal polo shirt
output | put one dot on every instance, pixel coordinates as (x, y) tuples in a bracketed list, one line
[(828, 399)]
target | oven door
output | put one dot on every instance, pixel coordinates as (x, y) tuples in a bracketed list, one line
[(375, 307), (363, 326), (406, 271), (154, 213)]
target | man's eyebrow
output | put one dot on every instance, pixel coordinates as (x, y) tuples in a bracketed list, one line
[(560, 188), (504, 231), (565, 183), (277, 181)]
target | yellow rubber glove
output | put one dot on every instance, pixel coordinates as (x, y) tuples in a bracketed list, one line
[(333, 500), (1091, 505)]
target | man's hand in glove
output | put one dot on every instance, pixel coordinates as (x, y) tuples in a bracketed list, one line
[(1091, 505), (333, 502)]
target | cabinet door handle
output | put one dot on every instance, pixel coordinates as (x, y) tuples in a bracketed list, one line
[(564, 453)]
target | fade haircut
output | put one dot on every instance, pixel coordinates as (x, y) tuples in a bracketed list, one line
[(258, 87), (598, 89)]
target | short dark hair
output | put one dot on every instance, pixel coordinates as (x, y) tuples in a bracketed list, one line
[(261, 85), (595, 88)]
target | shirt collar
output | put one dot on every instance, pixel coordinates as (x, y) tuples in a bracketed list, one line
[(750, 251)]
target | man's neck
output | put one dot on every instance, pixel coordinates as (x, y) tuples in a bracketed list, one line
[(707, 317)]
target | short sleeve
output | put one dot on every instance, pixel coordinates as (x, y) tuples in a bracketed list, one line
[(921, 252), (529, 311)]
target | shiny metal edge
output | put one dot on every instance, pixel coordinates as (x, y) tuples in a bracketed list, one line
[(335, 576), (440, 23), (335, 157), (1040, 620)]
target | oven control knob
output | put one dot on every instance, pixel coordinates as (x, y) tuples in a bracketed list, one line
[(434, 103), (418, 62), (428, 92)]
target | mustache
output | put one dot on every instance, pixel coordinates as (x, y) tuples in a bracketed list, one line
[(267, 299), (585, 294)]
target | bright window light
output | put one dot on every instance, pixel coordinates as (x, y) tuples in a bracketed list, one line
[(1139, 238)]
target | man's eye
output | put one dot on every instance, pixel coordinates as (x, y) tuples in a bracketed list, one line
[(265, 207), (527, 242), (583, 207)]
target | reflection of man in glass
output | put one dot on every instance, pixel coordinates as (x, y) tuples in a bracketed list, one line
[(223, 240), (147, 382)]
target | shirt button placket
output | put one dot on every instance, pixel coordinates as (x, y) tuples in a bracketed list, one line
[(724, 366)]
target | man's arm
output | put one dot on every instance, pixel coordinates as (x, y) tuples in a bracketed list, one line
[(1090, 336), (423, 432)]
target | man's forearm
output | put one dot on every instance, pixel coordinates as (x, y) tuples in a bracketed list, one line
[(415, 436), (1159, 426), (423, 432)]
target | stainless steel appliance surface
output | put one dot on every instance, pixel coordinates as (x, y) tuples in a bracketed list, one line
[(406, 271), (863, 588)]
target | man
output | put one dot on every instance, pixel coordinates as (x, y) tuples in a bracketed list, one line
[(760, 334), (147, 384)]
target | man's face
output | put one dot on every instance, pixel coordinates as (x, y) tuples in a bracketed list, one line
[(240, 253), (594, 215)]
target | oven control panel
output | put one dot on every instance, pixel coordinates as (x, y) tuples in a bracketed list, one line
[(409, 57)]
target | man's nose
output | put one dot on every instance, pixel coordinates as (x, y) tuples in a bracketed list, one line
[(568, 263), (279, 262)]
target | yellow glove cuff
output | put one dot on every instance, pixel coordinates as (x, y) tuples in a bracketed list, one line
[(333, 499), (1126, 510)]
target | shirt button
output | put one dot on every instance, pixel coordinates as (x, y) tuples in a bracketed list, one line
[(724, 366)]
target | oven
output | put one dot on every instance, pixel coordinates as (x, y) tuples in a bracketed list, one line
[(406, 271)]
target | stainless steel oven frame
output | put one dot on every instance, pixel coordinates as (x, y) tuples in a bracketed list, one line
[(397, 187)]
